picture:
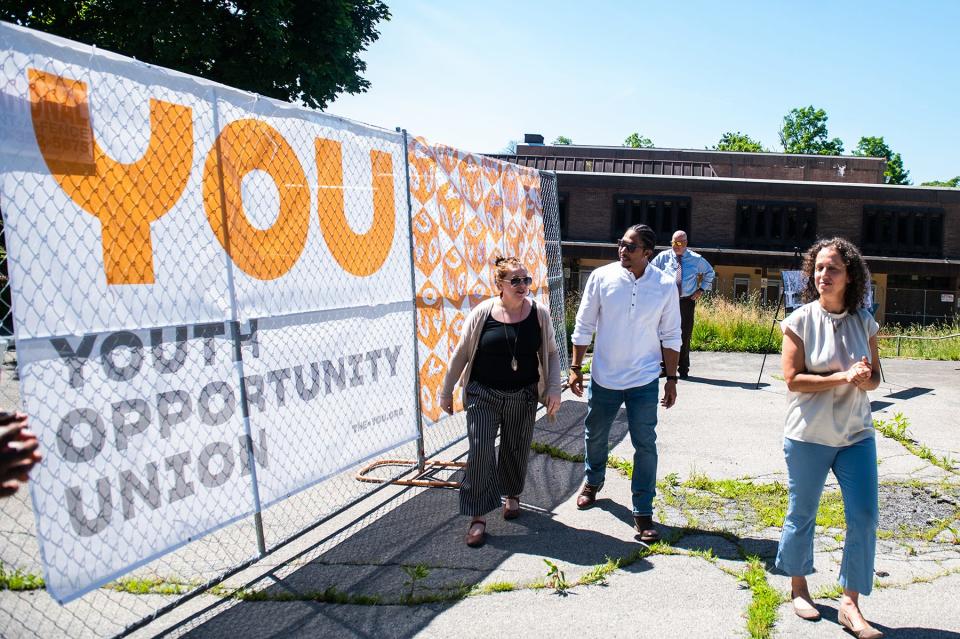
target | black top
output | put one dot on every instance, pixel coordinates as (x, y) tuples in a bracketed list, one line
[(491, 364)]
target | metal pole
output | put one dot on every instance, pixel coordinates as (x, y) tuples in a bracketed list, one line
[(421, 453), (237, 354), (773, 325)]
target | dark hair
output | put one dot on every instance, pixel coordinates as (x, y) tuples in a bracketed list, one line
[(857, 270), (646, 234)]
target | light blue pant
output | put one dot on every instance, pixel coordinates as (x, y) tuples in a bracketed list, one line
[(855, 468), (602, 407)]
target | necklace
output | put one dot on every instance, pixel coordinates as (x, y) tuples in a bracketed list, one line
[(506, 336)]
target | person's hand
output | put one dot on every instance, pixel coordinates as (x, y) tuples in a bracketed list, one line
[(859, 372), (576, 382), (866, 371), (669, 393), (446, 403), (553, 405), (697, 294), (19, 452)]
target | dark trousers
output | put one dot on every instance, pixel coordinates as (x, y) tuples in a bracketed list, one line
[(687, 308), (487, 475)]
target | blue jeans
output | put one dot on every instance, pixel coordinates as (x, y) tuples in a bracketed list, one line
[(602, 407), (855, 468)]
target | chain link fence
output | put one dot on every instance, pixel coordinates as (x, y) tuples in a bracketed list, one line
[(893, 306), (220, 305)]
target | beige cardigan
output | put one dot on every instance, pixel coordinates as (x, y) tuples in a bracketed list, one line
[(461, 363)]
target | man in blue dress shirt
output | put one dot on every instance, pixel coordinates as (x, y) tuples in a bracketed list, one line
[(693, 276)]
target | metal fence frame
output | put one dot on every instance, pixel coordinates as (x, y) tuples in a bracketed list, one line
[(276, 526)]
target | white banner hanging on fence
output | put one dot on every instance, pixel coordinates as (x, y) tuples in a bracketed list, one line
[(173, 245)]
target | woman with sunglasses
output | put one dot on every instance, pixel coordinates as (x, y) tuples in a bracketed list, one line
[(506, 360)]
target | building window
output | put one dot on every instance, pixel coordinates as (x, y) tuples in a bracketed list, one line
[(562, 203), (902, 231), (663, 213), (775, 225), (771, 291), (741, 288), (584, 276)]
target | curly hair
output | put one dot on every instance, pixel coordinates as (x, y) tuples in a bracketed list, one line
[(856, 289), (501, 265)]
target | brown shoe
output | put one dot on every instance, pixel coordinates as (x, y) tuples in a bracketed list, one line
[(477, 534), (644, 526), (511, 513), (587, 496), (866, 632)]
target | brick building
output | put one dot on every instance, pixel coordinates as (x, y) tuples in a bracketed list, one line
[(747, 212)]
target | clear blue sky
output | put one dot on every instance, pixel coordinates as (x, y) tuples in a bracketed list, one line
[(478, 74)]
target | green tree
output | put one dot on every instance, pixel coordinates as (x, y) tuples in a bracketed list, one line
[(953, 183), (731, 141), (294, 50), (804, 130), (562, 139), (875, 147), (637, 141)]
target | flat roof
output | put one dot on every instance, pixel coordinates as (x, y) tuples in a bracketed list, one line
[(736, 251), (861, 189)]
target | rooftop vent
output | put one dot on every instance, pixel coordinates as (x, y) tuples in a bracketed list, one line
[(532, 138)]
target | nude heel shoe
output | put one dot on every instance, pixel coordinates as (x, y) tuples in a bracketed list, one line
[(867, 632), (810, 614)]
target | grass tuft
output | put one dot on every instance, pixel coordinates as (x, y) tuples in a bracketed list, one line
[(599, 573), (762, 611), (19, 580), (897, 428)]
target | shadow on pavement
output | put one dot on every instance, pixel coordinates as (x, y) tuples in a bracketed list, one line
[(693, 539), (877, 404), (910, 393), (725, 383), (829, 615), (427, 529)]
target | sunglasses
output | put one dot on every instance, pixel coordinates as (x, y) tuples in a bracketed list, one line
[(676, 243), (517, 281), (630, 247)]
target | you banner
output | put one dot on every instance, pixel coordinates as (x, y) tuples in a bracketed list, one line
[(221, 299), (212, 297)]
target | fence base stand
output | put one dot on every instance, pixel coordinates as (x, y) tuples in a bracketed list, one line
[(429, 467)]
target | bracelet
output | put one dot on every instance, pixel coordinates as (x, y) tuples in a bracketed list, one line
[(672, 378), (576, 368)]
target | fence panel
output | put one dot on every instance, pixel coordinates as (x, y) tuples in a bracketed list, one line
[(217, 302), (551, 231), (920, 306)]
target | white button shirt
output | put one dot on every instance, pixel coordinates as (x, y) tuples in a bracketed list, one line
[(631, 318)]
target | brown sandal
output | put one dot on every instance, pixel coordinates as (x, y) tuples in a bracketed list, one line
[(511, 513), (477, 539)]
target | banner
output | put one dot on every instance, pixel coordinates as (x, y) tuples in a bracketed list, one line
[(467, 210), (212, 299), (795, 283)]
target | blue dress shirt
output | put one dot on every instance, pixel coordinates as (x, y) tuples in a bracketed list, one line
[(697, 272)]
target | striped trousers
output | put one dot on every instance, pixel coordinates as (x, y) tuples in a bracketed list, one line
[(487, 476)]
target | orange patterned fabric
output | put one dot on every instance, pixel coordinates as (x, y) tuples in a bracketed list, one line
[(468, 209)]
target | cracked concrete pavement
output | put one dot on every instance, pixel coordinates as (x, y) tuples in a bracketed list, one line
[(722, 427)]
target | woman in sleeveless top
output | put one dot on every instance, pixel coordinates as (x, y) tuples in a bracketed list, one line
[(830, 361), (506, 360)]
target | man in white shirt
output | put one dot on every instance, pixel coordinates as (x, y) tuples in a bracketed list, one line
[(634, 310), (693, 276)]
